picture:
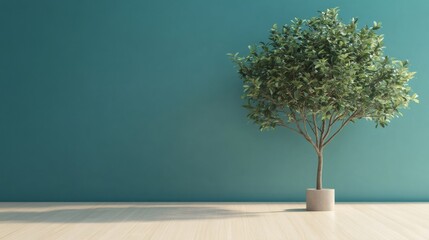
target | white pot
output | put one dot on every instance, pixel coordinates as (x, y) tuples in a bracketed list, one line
[(320, 200)]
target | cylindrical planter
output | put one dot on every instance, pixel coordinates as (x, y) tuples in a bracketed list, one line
[(320, 200)]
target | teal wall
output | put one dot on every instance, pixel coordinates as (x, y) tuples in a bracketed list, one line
[(137, 101)]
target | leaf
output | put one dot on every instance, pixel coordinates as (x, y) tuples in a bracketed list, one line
[(296, 94)]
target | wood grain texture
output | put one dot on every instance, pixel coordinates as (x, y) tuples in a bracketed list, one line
[(207, 221)]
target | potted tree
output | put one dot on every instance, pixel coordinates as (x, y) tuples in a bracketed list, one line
[(316, 76)]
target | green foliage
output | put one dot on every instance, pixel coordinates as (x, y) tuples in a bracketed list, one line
[(325, 68)]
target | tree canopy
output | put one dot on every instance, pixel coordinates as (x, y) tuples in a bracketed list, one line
[(322, 69)]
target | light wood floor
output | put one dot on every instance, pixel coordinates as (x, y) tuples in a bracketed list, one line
[(206, 221)]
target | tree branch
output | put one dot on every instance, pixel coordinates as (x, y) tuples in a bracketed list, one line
[(289, 127), (329, 127), (321, 134), (311, 127), (336, 119), (305, 133), (315, 127), (340, 128), (304, 121), (307, 138)]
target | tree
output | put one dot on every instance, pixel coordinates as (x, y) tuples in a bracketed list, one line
[(316, 76)]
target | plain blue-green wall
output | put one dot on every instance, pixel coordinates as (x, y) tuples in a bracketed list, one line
[(137, 101)]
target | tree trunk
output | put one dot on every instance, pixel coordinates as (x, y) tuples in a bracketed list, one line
[(319, 170)]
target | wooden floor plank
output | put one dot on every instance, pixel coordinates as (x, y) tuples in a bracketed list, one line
[(212, 221)]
